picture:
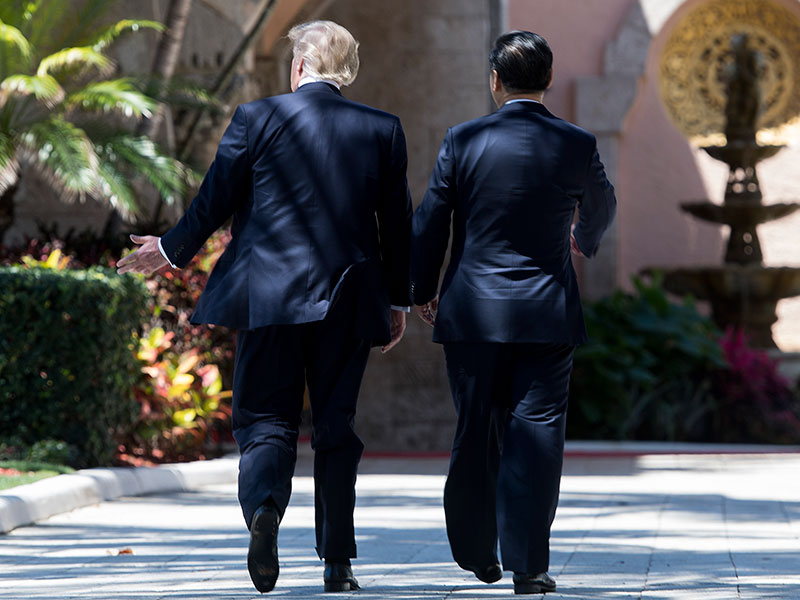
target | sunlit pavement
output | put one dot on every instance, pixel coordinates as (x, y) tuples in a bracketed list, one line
[(666, 526)]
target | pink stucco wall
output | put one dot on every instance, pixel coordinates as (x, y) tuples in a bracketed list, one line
[(657, 167), (577, 31)]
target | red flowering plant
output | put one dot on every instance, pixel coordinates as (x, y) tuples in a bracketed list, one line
[(176, 293), (185, 414), (755, 403), (182, 404)]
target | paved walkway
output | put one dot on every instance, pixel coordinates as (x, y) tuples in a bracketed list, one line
[(672, 526)]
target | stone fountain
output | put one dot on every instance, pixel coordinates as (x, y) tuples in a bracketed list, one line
[(742, 292)]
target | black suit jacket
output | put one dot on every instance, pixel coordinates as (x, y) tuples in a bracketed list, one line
[(511, 181), (304, 176)]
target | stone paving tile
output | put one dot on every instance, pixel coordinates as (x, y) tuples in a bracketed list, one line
[(646, 528)]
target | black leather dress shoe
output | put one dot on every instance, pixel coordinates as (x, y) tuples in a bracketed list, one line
[(262, 556), (533, 584), (339, 578), (488, 574)]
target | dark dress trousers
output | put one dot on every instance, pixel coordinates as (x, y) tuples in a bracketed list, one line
[(509, 316), (316, 188)]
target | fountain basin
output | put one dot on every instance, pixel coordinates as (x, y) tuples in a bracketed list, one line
[(739, 155), (744, 296), (739, 214)]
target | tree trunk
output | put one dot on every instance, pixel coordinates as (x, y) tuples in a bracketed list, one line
[(166, 58), (252, 36), (164, 63)]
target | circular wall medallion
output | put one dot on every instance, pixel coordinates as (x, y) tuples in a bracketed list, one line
[(697, 54)]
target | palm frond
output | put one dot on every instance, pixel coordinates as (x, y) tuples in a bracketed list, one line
[(12, 12), (44, 87), (40, 20), (80, 29), (7, 150), (112, 33), (15, 50), (114, 94), (8, 162), (114, 187), (74, 57), (168, 175), (9, 176), (178, 92), (64, 150), (18, 112), (14, 37)]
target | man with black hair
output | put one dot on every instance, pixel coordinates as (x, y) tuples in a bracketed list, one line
[(508, 312)]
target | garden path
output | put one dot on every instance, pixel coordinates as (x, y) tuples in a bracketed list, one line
[(707, 526)]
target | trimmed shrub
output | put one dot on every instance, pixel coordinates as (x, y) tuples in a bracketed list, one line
[(67, 363), (163, 429)]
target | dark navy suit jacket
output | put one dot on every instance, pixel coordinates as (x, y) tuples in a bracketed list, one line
[(304, 176), (511, 181)]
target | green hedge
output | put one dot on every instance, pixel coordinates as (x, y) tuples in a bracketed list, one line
[(67, 365)]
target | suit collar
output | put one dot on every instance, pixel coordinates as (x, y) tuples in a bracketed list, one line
[(536, 107), (318, 86)]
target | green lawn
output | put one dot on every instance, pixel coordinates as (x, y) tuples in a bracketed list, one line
[(30, 472)]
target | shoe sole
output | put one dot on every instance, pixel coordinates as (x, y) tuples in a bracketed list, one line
[(340, 586), (262, 555), (532, 588), (495, 575)]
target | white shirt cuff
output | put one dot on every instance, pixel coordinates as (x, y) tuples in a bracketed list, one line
[(164, 254), (401, 308)]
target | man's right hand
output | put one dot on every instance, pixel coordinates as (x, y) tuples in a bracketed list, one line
[(427, 312), (147, 259)]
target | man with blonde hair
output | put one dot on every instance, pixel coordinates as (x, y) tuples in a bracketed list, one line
[(311, 280)]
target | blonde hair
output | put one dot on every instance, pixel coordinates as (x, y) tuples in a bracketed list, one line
[(328, 50)]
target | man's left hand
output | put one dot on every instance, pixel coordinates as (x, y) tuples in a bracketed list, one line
[(398, 327), (147, 259)]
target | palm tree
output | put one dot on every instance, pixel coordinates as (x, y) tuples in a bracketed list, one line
[(62, 115), (166, 58)]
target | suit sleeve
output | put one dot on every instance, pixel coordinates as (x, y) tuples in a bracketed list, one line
[(394, 220), (430, 230), (223, 190), (597, 207)]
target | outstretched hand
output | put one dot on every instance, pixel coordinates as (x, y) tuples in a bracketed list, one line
[(397, 323), (427, 312), (147, 259)]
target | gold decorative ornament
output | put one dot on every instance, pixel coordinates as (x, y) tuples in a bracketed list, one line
[(698, 52)]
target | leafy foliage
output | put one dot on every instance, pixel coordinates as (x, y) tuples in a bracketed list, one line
[(657, 370), (755, 402), (180, 403), (67, 368), (62, 115), (647, 370), (45, 454), (176, 294), (172, 354)]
